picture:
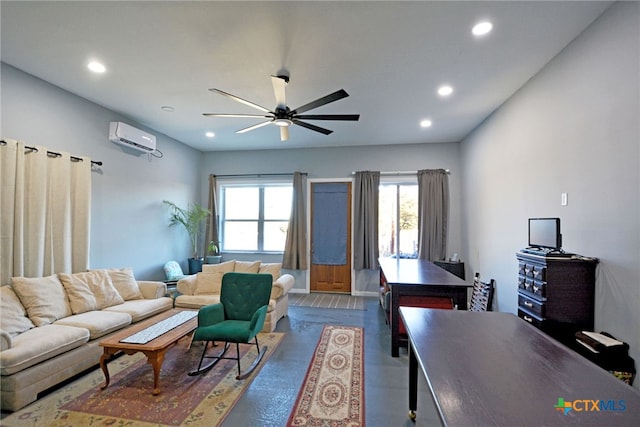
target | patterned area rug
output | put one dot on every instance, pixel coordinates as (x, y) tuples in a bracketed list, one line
[(325, 300), (203, 400), (332, 393)]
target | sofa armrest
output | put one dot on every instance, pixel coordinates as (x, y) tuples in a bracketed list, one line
[(282, 286), (5, 340), (187, 285), (152, 289)]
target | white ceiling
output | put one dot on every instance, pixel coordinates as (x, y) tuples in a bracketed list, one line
[(389, 56)]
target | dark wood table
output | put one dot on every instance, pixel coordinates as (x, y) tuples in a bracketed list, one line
[(495, 369), (418, 277)]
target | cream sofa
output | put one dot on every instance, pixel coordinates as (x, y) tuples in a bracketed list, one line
[(204, 288), (50, 327)]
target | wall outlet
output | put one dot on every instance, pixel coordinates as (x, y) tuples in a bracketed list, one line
[(564, 199)]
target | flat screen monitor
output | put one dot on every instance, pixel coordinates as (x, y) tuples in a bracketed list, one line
[(545, 233)]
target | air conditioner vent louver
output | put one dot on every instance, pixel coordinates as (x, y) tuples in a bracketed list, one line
[(124, 134)]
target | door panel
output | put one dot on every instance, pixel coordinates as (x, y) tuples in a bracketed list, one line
[(331, 237)]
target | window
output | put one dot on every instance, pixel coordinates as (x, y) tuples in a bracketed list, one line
[(255, 217), (398, 220)]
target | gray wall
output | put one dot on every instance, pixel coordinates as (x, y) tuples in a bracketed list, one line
[(338, 164), (129, 221), (573, 128)]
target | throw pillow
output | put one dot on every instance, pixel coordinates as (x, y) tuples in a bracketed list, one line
[(13, 317), (209, 281), (247, 266), (102, 288), (125, 283), (43, 298), (273, 269), (80, 295)]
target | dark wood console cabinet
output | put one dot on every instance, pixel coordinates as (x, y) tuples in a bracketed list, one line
[(557, 295)]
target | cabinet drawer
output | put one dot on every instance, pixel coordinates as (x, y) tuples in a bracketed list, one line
[(529, 318), (531, 305), (532, 286)]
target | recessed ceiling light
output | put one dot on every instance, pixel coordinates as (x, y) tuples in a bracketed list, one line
[(445, 90), (482, 28), (96, 67), (167, 108), (425, 123), (210, 134)]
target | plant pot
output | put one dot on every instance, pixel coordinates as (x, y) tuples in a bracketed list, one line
[(195, 265), (214, 259)]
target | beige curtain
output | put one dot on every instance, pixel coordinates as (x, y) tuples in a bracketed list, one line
[(433, 214), (365, 220), (212, 233), (295, 249), (45, 213)]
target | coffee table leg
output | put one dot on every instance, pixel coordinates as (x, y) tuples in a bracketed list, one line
[(106, 356), (155, 359)]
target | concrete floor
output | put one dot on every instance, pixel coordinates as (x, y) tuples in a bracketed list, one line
[(272, 394)]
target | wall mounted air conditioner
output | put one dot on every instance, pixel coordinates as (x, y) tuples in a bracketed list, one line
[(124, 134)]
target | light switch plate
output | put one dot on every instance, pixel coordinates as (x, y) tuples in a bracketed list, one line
[(564, 199)]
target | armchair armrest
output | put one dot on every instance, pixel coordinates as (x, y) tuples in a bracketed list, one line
[(282, 286), (152, 289), (210, 315), (257, 320), (5, 341), (187, 285)]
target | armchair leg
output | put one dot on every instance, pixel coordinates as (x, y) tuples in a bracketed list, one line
[(217, 358)]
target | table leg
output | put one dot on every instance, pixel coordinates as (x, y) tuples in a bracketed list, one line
[(106, 356), (394, 319), (413, 383), (155, 359)]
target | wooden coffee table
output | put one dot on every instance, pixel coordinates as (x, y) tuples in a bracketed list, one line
[(154, 349)]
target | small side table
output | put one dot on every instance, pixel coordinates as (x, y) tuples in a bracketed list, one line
[(172, 288)]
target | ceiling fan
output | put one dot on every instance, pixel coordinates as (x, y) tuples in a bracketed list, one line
[(282, 115)]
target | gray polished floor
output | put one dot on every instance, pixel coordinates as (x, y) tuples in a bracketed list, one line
[(273, 392)]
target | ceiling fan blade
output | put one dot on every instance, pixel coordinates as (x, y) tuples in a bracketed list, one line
[(347, 117), (312, 127), (284, 133), (243, 101), (236, 115), (322, 101), (250, 128), (278, 89)]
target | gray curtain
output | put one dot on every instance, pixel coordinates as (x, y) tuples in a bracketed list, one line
[(365, 220), (212, 233), (295, 249), (433, 214)]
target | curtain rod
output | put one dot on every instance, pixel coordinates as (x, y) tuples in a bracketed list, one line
[(257, 175), (401, 172), (54, 154)]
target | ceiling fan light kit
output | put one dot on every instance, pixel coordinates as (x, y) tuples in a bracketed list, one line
[(282, 116)]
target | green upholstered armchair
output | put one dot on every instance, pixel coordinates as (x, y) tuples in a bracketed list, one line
[(238, 318)]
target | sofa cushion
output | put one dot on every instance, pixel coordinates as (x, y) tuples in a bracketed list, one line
[(196, 301), (209, 281), (13, 316), (81, 298), (143, 308), (98, 323), (39, 344), (272, 268), (125, 283), (247, 266), (43, 298)]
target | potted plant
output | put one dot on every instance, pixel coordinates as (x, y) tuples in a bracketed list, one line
[(214, 256), (191, 218)]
